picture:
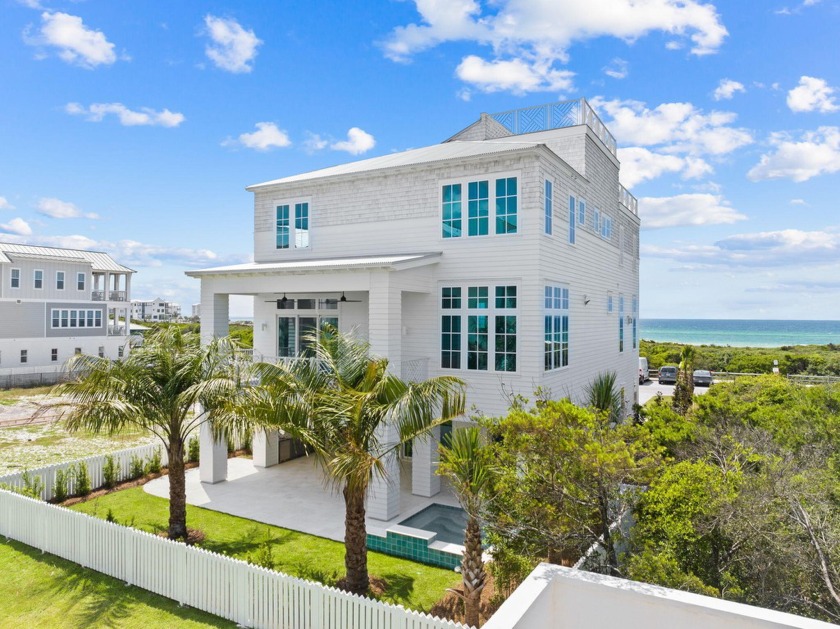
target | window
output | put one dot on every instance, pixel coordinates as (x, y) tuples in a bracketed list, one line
[(76, 318), (635, 310), (621, 323), (506, 203), (596, 220), (549, 213), (15, 278), (556, 327), (294, 332), (452, 211), (102, 351), (80, 281), (485, 306), (609, 303), (606, 228), (39, 279), (24, 355), (301, 225), (283, 227), (54, 355), (120, 351), (59, 280), (478, 208), (571, 220), (581, 211)]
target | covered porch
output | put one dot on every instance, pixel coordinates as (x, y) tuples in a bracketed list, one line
[(385, 300)]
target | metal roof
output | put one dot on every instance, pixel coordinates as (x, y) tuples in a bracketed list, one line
[(395, 261), (425, 155), (98, 260)]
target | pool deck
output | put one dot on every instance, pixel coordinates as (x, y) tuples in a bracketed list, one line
[(291, 495)]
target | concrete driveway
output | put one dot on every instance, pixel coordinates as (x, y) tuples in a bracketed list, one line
[(649, 389)]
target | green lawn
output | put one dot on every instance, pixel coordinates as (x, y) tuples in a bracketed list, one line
[(414, 585), (42, 590)]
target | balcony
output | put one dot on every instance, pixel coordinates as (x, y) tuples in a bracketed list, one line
[(628, 200), (97, 295), (117, 295), (114, 295)]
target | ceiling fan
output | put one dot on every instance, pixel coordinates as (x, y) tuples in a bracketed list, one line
[(281, 302)]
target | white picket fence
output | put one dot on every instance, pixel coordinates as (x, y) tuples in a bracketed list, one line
[(95, 465), (248, 595)]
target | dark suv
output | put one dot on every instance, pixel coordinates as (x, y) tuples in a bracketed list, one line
[(668, 374)]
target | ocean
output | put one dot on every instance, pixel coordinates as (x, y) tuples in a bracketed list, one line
[(740, 332)]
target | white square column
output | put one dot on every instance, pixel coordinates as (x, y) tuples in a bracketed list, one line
[(212, 460), (266, 447), (425, 457), (212, 457), (215, 312), (385, 337)]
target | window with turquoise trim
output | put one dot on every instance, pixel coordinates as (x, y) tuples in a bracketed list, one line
[(549, 201), (571, 220), (477, 349), (506, 203), (451, 297), (506, 297), (556, 327), (301, 225), (283, 227), (478, 208), (477, 297), (635, 317), (452, 211), (505, 343), (450, 342)]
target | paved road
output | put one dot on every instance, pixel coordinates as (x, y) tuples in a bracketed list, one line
[(650, 388)]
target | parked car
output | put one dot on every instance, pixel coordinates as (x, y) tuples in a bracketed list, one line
[(644, 372), (668, 374), (702, 378)]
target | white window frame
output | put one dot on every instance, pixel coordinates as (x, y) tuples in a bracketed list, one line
[(572, 219), (60, 276), (581, 211), (12, 278), (35, 279), (294, 236), (24, 356), (490, 178), (81, 275), (82, 318), (552, 311), (548, 203)]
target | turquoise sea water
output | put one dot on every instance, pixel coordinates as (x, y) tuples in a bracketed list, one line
[(740, 332)]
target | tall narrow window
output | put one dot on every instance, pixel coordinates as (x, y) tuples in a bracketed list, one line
[(301, 225), (56, 318), (596, 220), (54, 355), (24, 355), (59, 280), (549, 211), (556, 327), (635, 317), (283, 227), (450, 342), (621, 323), (80, 281), (572, 220), (98, 314), (452, 211), (478, 208), (581, 212), (286, 336), (477, 333), (506, 206), (15, 278), (506, 343), (39, 279)]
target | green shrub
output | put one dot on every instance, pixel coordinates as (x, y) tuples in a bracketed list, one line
[(33, 486), (111, 472), (81, 475), (60, 486), (153, 463), (109, 517), (247, 440), (136, 468), (193, 450), (263, 556)]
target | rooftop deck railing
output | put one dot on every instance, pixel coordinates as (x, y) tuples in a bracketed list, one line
[(628, 200), (570, 113)]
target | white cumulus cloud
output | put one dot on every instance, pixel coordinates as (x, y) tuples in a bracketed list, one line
[(76, 43), (16, 226), (812, 94), (727, 88), (814, 153), (146, 116), (5, 205), (639, 164), (56, 208), (358, 141), (687, 209), (231, 48), (267, 136), (516, 75), (617, 69)]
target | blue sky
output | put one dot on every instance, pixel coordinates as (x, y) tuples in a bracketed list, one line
[(133, 127)]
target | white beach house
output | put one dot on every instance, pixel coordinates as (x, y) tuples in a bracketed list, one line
[(507, 255)]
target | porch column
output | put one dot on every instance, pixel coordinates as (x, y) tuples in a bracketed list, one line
[(107, 291), (213, 457), (385, 337), (266, 447), (128, 287), (424, 463)]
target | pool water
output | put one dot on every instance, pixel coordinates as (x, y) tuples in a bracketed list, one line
[(448, 522)]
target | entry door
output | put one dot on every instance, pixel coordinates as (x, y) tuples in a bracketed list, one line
[(292, 333)]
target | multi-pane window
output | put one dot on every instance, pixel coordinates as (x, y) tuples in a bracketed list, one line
[(571, 220), (506, 205), (549, 200), (283, 227), (452, 211), (301, 225), (635, 317), (120, 351), (80, 281), (24, 355), (54, 355), (74, 318), (59, 280), (478, 208), (596, 220), (621, 323), (581, 211), (39, 279), (15, 278), (487, 310), (556, 327), (606, 228)]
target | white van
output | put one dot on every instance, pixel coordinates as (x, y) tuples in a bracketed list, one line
[(644, 372)]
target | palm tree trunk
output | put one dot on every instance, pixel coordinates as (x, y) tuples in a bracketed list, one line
[(355, 542), (177, 491), (472, 572)]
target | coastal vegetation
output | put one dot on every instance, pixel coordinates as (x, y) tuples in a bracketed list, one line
[(817, 360)]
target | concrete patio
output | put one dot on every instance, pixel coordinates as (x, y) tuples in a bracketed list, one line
[(291, 495)]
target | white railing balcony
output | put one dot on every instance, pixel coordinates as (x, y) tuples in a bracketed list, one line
[(97, 295), (117, 295), (416, 370), (628, 200), (116, 330)]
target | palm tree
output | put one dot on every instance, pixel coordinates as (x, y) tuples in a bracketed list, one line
[(154, 389), (602, 395), (684, 388), (467, 464), (340, 404)]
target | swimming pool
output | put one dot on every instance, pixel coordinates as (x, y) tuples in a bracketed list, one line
[(448, 522)]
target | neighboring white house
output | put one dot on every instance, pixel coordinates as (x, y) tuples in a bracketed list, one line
[(155, 310), (58, 302), (196, 311), (507, 255)]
